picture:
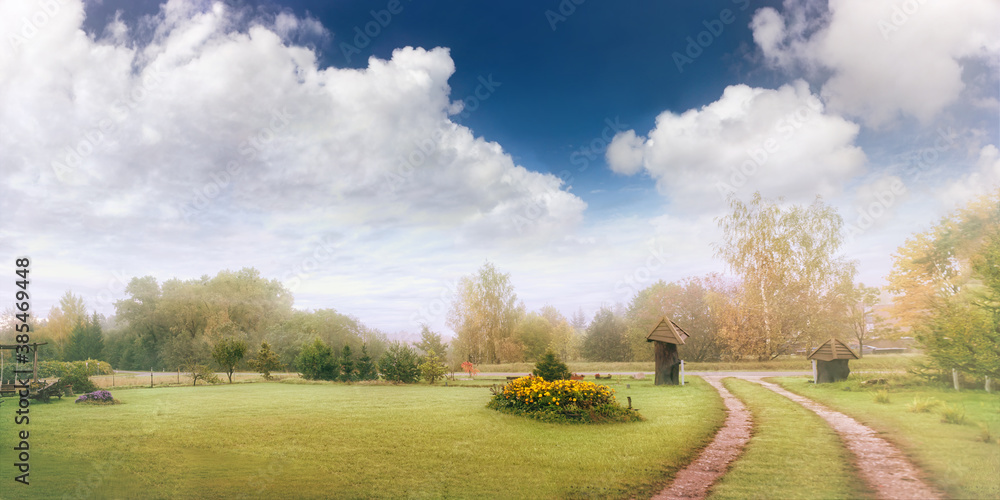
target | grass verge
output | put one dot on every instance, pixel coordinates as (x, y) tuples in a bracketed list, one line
[(793, 453), (282, 440), (955, 456)]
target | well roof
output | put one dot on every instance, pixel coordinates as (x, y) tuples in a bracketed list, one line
[(832, 349), (667, 331)]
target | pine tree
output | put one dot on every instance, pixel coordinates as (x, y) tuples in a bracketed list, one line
[(550, 368), (266, 361), (347, 373), (432, 368), (366, 367)]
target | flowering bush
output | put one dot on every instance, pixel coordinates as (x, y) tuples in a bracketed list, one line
[(561, 400), (99, 397)]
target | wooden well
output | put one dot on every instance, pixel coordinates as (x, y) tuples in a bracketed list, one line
[(666, 336), (830, 361)]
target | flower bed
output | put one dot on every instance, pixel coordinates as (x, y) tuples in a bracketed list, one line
[(561, 401), (97, 398)]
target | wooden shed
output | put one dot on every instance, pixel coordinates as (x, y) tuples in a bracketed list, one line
[(666, 336), (830, 361)]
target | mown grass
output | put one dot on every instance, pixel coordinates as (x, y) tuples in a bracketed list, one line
[(793, 453), (870, 363), (289, 440), (954, 455)]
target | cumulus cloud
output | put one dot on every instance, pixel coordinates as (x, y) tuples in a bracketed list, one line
[(983, 178), (780, 142), (882, 59)]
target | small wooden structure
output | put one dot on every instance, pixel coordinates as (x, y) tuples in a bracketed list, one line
[(11, 387), (666, 336), (829, 361)]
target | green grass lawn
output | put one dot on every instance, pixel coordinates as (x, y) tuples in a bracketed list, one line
[(955, 456), (793, 453), (286, 440)]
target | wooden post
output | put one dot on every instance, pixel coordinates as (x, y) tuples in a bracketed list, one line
[(815, 373), (988, 384), (112, 378), (682, 372), (34, 366), (954, 378), (150, 377), (178, 375)]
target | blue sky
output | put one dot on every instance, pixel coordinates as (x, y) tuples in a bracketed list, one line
[(369, 173)]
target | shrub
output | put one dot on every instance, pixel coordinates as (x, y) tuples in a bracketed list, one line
[(78, 380), (952, 414), (561, 401), (399, 364), (469, 368), (266, 361), (923, 405), (881, 396), (97, 397), (316, 362), (550, 368), (432, 368), (366, 367), (347, 365), (59, 369), (203, 373)]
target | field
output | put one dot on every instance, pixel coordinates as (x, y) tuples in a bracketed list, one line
[(304, 440), (963, 460)]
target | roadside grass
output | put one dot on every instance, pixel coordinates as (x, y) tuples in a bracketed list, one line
[(955, 456), (327, 440), (870, 363), (793, 453)]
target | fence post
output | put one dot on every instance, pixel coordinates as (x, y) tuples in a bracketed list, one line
[(988, 385), (954, 378), (150, 377), (682, 372), (815, 375)]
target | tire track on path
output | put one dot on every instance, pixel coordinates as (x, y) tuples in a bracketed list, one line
[(693, 481)]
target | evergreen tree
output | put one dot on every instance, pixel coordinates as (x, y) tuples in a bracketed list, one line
[(366, 367), (432, 368), (347, 373), (86, 340), (400, 364), (266, 361), (550, 368), (316, 362)]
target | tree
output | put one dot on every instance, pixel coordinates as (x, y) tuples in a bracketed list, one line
[(63, 319), (689, 303), (86, 340), (316, 362), (266, 361), (484, 314), (366, 367), (787, 264), (432, 368), (550, 368), (606, 338), (858, 306), (430, 342), (534, 333), (228, 353), (201, 372), (470, 368), (400, 363), (347, 373)]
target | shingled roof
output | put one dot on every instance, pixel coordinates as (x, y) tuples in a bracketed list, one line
[(832, 349), (667, 331)]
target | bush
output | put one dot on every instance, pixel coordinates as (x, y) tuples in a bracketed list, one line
[(550, 368), (78, 380), (97, 397), (59, 369), (399, 364), (266, 361), (923, 405), (366, 367), (952, 414), (432, 368), (881, 396), (316, 362), (561, 401)]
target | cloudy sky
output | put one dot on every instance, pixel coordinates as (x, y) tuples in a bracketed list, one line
[(369, 154)]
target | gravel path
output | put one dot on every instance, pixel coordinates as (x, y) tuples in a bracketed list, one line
[(886, 470), (694, 480)]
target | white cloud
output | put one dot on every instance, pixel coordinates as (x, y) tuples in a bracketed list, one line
[(884, 58), (780, 142), (984, 178)]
